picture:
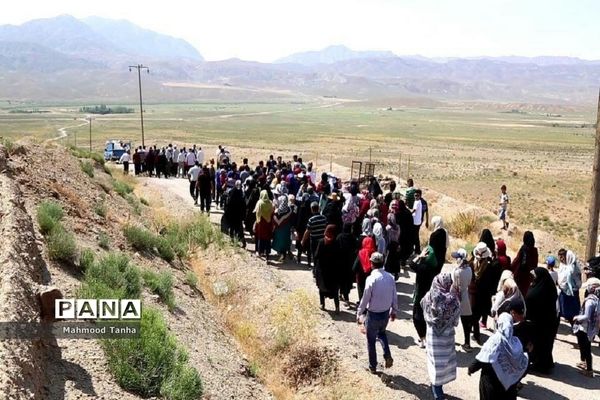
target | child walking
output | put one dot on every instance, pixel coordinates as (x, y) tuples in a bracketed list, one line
[(503, 207)]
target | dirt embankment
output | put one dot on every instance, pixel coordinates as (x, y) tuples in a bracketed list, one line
[(95, 213)]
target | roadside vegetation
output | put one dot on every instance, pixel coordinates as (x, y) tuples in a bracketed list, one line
[(61, 243)]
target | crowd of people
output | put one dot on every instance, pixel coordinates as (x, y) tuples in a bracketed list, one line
[(366, 238)]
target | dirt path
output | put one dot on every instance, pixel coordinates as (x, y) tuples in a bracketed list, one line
[(62, 132), (408, 377)]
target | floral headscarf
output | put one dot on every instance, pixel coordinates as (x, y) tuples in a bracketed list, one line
[(441, 305)]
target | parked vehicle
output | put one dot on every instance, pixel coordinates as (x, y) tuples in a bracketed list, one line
[(114, 149)]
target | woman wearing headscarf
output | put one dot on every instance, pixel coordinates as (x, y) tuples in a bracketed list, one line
[(502, 363), (282, 240), (586, 328), (392, 259), (541, 311), (405, 221), (333, 211), (347, 249), (506, 292), (483, 286), (304, 214), (487, 238), (362, 264), (326, 268), (425, 266), (378, 235), (439, 240), (501, 258), (525, 262), (441, 310), (462, 276), (569, 283), (264, 224)]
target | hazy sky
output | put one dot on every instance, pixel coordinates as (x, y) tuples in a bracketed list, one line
[(264, 30)]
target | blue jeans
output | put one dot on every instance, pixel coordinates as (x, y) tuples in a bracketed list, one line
[(375, 327), (438, 392)]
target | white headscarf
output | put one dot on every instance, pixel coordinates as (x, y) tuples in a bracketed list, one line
[(569, 275), (438, 223), (505, 353)]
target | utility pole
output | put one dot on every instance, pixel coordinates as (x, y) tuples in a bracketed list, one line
[(592, 237), (139, 68)]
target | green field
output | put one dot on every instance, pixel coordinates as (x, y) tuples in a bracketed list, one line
[(463, 151)]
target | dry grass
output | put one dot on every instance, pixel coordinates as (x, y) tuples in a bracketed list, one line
[(465, 224), (308, 363)]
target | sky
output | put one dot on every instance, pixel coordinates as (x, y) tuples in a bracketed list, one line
[(264, 30)]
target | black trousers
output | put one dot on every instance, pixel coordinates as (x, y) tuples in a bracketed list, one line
[(205, 201), (416, 239), (585, 349), (466, 322), (236, 230), (193, 191), (126, 167), (419, 320), (137, 168)]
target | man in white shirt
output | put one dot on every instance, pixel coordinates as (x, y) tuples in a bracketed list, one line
[(193, 175), (181, 164), (380, 304), (125, 161), (200, 156), (190, 160), (417, 212)]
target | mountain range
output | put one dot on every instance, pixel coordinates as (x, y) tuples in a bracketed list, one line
[(86, 60)]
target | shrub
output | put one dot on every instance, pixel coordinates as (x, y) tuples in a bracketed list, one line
[(134, 203), (61, 245), (49, 214), (122, 188), (191, 280), (81, 153), (9, 145), (88, 168), (101, 209), (294, 320), (113, 276), (308, 363), (165, 251), (153, 364), (103, 241), (162, 285), (86, 259), (139, 238), (464, 224), (144, 201)]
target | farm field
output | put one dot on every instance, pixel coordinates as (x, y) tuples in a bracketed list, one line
[(463, 150)]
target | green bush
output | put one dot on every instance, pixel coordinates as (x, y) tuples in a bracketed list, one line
[(61, 245), (103, 241), (134, 203), (162, 285), (153, 364), (9, 145), (101, 209), (86, 259), (88, 168), (139, 238), (81, 153), (113, 276), (185, 237), (165, 249), (183, 383), (122, 188), (191, 280), (49, 214)]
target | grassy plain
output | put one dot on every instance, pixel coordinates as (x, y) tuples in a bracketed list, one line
[(463, 151)]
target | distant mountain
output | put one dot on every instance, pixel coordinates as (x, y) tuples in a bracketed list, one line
[(330, 55), (135, 40)]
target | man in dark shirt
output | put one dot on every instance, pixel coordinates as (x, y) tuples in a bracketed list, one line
[(315, 230)]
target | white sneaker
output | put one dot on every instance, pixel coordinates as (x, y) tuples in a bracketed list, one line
[(421, 343)]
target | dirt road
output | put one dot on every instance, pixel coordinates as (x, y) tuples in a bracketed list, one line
[(408, 377)]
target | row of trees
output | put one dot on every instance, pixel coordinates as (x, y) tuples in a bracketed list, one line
[(103, 109)]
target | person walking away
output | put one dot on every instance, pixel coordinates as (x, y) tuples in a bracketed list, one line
[(525, 262), (501, 257), (190, 160), (487, 238), (462, 277), (380, 304), (502, 213), (541, 311), (378, 233), (234, 213), (315, 229), (200, 156), (439, 240), (137, 162), (502, 363), (347, 250), (392, 259), (441, 310), (405, 220), (410, 194), (251, 196), (264, 225), (425, 266), (181, 164), (205, 185), (125, 157), (161, 166), (481, 287), (506, 292), (301, 221), (417, 212), (150, 155), (585, 327), (193, 174), (282, 228), (569, 283), (362, 264), (327, 271)]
